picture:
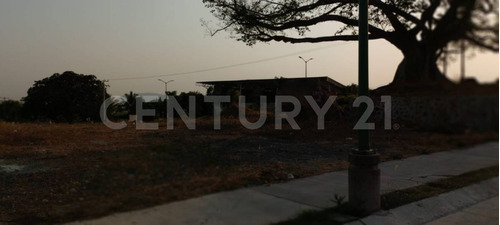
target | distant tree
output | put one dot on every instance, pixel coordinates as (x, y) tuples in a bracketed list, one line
[(130, 102), (202, 108), (349, 90), (66, 97), (10, 111), (210, 89), (118, 109), (171, 93), (420, 29)]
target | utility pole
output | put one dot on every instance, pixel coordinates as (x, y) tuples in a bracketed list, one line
[(305, 61), (460, 51), (363, 173), (104, 85), (445, 61), (462, 61)]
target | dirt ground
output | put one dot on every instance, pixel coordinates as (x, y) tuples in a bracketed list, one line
[(55, 173)]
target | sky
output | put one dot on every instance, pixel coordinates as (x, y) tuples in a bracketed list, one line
[(116, 39)]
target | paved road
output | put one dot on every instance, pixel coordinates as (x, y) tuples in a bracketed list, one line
[(277, 202)]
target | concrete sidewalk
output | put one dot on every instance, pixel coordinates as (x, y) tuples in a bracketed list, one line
[(474, 204), (484, 213), (277, 202)]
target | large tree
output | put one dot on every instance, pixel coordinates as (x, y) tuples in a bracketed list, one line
[(66, 97), (421, 29)]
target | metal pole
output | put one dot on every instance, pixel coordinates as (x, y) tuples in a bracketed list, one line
[(363, 173), (364, 141), (104, 97), (166, 91), (305, 62), (445, 62), (306, 69), (166, 83), (462, 61)]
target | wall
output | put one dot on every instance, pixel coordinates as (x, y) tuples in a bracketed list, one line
[(447, 113)]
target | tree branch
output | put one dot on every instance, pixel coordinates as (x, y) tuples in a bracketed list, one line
[(381, 5), (314, 21), (451, 26), (314, 40), (396, 24), (481, 44), (427, 15), (305, 8)]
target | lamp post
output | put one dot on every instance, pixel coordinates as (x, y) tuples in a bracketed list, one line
[(305, 61), (460, 51), (166, 90), (462, 61), (166, 85), (364, 174), (104, 85)]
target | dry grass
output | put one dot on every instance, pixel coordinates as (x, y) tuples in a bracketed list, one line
[(83, 171)]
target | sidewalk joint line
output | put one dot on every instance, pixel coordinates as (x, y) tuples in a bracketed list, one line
[(290, 200)]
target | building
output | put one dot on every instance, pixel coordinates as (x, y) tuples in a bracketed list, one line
[(318, 87)]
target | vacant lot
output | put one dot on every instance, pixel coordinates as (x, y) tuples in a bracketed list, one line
[(51, 173)]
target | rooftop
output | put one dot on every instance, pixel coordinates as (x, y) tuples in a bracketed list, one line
[(267, 81)]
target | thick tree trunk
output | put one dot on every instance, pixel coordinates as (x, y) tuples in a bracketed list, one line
[(418, 69), (418, 72)]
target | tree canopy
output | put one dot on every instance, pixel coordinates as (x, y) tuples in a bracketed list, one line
[(421, 29), (130, 100), (66, 97), (10, 110)]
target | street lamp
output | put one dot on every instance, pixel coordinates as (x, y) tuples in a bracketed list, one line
[(166, 90), (104, 86), (166, 84), (363, 173), (305, 61)]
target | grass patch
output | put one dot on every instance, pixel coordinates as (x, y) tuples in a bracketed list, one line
[(395, 199)]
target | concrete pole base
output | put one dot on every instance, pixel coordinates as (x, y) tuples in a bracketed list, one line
[(364, 183)]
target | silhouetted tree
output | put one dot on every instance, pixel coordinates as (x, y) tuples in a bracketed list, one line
[(68, 97), (130, 102), (420, 29), (10, 110), (118, 109), (351, 89), (202, 108)]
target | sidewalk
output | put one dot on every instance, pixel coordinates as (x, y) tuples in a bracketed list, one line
[(474, 204), (484, 213), (277, 202)]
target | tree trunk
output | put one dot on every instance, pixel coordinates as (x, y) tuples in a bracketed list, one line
[(418, 72)]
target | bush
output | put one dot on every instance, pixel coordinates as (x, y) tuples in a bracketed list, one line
[(11, 111)]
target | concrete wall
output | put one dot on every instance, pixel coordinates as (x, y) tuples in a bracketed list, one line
[(447, 113)]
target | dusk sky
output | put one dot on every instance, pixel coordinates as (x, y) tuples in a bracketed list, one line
[(115, 39)]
